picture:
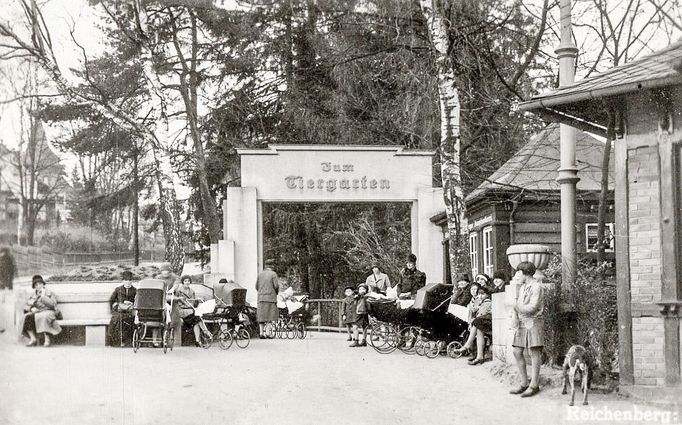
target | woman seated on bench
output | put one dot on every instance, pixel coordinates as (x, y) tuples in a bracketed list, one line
[(187, 301), (481, 325), (41, 314), (122, 317)]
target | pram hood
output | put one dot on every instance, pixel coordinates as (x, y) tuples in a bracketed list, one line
[(229, 294), (433, 296), (150, 295)]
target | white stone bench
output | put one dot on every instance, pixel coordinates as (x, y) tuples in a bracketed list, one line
[(86, 304), (87, 309)]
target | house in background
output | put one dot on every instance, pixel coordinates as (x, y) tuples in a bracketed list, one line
[(520, 203), (647, 96), (41, 169)]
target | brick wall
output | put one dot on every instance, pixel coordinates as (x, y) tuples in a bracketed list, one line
[(644, 219), (645, 263), (647, 350)]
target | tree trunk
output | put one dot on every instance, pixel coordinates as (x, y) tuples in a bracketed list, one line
[(188, 89), (136, 213), (603, 194), (449, 149)]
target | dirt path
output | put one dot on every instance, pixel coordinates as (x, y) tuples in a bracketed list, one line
[(315, 381)]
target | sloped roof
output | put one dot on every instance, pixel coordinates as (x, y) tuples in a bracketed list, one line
[(660, 69), (534, 167)]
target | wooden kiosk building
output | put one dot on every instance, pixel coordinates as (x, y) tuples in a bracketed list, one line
[(645, 97)]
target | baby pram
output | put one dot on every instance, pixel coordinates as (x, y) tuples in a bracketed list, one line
[(294, 313), (426, 328), (230, 315), (152, 313)]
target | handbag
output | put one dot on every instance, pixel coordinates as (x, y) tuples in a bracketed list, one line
[(58, 314)]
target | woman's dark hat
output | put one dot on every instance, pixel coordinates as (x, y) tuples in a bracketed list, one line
[(463, 277), (37, 278), (411, 258), (349, 287), (499, 274), (126, 275), (182, 279)]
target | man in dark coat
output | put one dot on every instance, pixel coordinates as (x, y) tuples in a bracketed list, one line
[(411, 279), (267, 286), (122, 318), (8, 268)]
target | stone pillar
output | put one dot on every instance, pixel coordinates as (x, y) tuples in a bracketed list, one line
[(241, 231), (213, 263), (429, 235)]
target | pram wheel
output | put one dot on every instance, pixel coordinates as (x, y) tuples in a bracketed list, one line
[(243, 338), (164, 340), (205, 340), (225, 339), (290, 331), (136, 340), (408, 339), (271, 331), (301, 331), (383, 338), (452, 347), (420, 346), (432, 349)]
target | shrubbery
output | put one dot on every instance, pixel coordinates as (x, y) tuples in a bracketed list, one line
[(110, 273), (73, 239), (585, 314)]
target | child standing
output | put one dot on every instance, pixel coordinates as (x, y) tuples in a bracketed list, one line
[(349, 315), (362, 316)]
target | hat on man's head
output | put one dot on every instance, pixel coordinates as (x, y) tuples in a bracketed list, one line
[(363, 285), (349, 287), (182, 279), (269, 262), (165, 267), (411, 258), (223, 280)]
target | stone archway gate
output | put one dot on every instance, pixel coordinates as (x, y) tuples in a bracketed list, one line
[(325, 173)]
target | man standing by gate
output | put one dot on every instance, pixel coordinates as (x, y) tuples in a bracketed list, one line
[(411, 279)]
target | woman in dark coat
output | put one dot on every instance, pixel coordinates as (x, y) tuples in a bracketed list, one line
[(122, 317), (462, 292), (267, 286)]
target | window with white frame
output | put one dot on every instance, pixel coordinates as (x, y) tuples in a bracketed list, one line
[(473, 252), (488, 251), (591, 237)]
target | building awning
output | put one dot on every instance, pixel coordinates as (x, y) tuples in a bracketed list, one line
[(581, 103)]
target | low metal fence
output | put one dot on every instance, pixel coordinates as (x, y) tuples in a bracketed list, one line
[(330, 311)]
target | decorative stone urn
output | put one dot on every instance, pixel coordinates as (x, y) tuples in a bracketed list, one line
[(539, 255)]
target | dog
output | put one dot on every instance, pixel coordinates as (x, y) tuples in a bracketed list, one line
[(577, 361)]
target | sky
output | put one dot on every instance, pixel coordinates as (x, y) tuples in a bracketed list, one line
[(63, 15)]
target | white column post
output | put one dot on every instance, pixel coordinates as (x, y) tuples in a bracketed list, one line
[(568, 172)]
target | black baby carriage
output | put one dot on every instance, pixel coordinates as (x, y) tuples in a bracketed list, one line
[(152, 316), (230, 317), (426, 328)]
